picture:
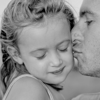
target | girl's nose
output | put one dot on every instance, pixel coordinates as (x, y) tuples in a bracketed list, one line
[(56, 61)]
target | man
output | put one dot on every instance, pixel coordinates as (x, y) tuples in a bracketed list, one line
[(86, 43)]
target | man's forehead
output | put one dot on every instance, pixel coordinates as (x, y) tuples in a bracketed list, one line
[(91, 6), (91, 2)]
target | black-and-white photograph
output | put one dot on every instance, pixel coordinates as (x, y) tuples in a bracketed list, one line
[(50, 50)]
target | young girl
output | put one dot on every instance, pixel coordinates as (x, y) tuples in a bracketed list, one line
[(37, 48)]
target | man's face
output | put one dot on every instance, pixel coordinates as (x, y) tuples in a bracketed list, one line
[(86, 38)]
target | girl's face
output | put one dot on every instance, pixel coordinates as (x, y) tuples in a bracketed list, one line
[(46, 50)]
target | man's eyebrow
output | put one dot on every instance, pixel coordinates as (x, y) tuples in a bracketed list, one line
[(85, 12)]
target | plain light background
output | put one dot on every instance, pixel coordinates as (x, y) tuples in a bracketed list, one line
[(75, 83)]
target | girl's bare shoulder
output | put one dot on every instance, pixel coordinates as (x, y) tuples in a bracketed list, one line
[(27, 88)]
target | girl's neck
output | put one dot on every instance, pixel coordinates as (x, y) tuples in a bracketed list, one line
[(56, 94)]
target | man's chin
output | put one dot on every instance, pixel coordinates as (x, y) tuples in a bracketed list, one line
[(80, 67), (89, 73)]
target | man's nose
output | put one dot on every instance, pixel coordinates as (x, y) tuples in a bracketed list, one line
[(56, 60), (77, 36)]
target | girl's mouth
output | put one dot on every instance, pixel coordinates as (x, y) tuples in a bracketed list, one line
[(58, 71)]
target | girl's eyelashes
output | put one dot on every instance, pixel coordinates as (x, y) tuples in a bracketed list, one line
[(44, 55), (39, 54), (64, 46), (41, 57), (63, 49)]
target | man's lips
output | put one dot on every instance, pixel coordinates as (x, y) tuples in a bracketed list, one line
[(76, 50), (77, 47)]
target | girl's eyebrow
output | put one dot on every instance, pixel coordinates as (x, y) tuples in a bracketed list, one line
[(44, 49), (40, 49), (67, 40)]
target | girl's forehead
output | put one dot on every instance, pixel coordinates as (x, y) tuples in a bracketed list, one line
[(44, 34), (49, 21)]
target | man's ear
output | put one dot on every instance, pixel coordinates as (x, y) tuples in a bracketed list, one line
[(14, 54)]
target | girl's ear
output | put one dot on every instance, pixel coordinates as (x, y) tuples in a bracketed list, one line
[(14, 54)]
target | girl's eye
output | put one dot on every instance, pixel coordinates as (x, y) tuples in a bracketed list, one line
[(40, 54), (63, 49), (41, 57), (89, 22)]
